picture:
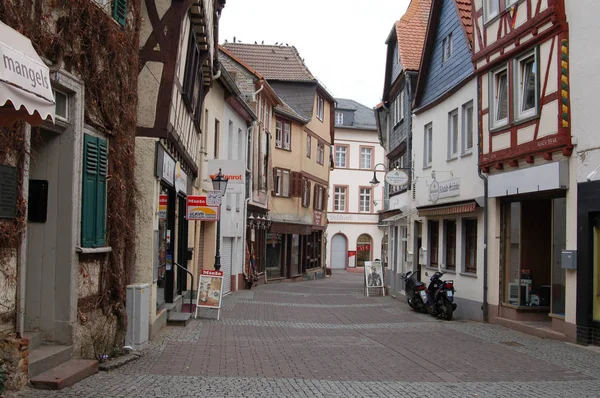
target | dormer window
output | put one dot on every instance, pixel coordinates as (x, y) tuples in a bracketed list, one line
[(339, 118), (447, 48)]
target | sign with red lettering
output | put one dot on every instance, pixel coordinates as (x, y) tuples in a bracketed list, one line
[(210, 290), (198, 210), (363, 248), (162, 206)]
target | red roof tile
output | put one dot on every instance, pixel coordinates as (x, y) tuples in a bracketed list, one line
[(464, 12), (273, 62), (410, 32)]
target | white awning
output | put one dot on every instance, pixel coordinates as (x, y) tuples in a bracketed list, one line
[(24, 79)]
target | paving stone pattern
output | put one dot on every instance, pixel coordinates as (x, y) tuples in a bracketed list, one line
[(325, 339)]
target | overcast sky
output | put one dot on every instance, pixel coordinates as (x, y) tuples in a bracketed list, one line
[(342, 41)]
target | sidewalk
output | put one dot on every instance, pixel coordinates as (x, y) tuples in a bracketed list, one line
[(325, 339)]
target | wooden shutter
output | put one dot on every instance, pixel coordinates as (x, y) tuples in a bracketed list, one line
[(296, 188), (100, 228), (89, 190), (120, 11), (93, 206)]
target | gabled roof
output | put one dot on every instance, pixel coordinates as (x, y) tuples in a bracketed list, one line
[(464, 7), (273, 62), (363, 116), (410, 33)]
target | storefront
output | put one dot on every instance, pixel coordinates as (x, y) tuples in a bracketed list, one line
[(532, 208), (588, 262), (173, 227)]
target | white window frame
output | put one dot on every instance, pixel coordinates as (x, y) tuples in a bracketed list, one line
[(427, 145), (518, 89), (453, 139), (493, 100), (339, 118), (467, 128), (278, 134), (320, 107), (365, 195), (320, 153), (363, 157), (287, 136), (339, 198), (345, 154), (282, 182), (447, 47), (486, 9), (64, 118)]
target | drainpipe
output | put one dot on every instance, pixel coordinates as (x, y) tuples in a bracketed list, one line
[(254, 94), (246, 201), (22, 255), (217, 75), (484, 306)]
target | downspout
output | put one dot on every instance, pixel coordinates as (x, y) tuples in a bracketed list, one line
[(246, 201), (22, 254), (484, 306), (254, 94)]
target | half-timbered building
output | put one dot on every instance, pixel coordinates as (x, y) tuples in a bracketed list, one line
[(178, 66), (520, 55)]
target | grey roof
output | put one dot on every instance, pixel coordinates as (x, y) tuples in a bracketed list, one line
[(298, 96), (363, 116)]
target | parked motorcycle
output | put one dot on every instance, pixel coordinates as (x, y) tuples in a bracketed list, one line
[(415, 292), (440, 296)]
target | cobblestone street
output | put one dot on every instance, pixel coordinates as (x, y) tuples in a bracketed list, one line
[(325, 339)]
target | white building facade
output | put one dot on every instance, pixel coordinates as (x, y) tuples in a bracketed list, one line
[(353, 235)]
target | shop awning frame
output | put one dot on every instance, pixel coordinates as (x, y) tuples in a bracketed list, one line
[(24, 80), (448, 209)]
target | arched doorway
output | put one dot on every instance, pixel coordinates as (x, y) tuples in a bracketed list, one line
[(364, 245), (339, 251)]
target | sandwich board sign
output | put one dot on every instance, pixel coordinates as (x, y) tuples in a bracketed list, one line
[(210, 291), (374, 276)]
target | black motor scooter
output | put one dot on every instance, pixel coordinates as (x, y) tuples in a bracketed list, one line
[(440, 296), (415, 292)]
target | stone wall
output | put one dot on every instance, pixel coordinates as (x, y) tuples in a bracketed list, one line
[(14, 363)]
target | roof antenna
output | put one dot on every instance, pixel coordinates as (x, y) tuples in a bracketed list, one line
[(234, 39)]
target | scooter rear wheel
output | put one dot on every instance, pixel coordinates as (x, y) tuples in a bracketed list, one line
[(448, 311)]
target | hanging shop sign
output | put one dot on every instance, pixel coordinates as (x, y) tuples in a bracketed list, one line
[(165, 165), (24, 77), (181, 179), (198, 210), (163, 199), (317, 217), (443, 189), (210, 291), (233, 170), (396, 178)]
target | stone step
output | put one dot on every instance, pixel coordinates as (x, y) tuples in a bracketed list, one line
[(35, 339), (48, 356), (178, 318), (65, 374)]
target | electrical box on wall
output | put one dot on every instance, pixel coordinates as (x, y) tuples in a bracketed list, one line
[(137, 303), (569, 259)]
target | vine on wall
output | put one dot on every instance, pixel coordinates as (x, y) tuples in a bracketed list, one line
[(82, 38)]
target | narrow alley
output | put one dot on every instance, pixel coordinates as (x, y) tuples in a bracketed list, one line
[(326, 339)]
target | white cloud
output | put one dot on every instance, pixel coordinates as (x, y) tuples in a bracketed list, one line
[(342, 41)]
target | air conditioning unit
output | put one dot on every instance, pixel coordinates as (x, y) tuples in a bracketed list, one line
[(137, 303)]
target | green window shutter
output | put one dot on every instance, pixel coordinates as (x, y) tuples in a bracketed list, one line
[(119, 11), (89, 194), (100, 227)]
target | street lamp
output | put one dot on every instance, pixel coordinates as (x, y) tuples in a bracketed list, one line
[(219, 184)]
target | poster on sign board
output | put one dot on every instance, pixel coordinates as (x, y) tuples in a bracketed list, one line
[(374, 276), (198, 210), (352, 259), (162, 206), (210, 291)]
